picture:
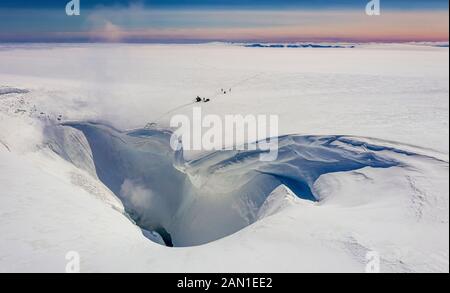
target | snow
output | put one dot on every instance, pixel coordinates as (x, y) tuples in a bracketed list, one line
[(378, 111), (216, 194), (9, 90)]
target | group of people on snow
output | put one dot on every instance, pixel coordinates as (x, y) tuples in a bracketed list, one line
[(225, 91), (199, 99)]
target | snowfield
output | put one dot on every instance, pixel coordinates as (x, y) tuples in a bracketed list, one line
[(362, 166)]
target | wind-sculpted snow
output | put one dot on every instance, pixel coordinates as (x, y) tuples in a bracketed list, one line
[(202, 200), (11, 90)]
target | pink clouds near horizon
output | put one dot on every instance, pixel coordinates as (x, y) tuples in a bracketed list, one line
[(261, 26)]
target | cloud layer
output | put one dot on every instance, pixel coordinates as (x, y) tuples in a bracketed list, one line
[(140, 24)]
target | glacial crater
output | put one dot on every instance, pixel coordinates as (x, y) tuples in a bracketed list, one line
[(189, 203)]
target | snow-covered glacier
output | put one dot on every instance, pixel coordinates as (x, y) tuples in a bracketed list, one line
[(362, 165), (216, 194)]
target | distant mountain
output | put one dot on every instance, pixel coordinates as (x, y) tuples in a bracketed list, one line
[(309, 45)]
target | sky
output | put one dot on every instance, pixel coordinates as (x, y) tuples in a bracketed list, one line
[(181, 21)]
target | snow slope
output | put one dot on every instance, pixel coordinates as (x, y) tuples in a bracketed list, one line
[(321, 207)]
